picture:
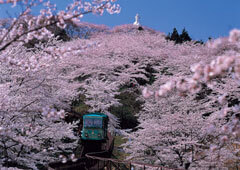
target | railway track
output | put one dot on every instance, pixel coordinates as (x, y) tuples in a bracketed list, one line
[(85, 162)]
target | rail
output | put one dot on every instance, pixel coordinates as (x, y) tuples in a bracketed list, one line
[(101, 161), (109, 163)]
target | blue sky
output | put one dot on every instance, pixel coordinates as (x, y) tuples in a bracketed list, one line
[(201, 18)]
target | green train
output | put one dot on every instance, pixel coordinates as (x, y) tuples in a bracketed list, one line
[(94, 127)]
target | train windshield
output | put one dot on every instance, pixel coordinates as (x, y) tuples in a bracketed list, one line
[(90, 122)]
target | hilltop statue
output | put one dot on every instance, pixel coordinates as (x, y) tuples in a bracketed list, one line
[(136, 20), (140, 28)]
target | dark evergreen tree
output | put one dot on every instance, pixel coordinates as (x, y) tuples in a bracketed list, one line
[(184, 36), (175, 36)]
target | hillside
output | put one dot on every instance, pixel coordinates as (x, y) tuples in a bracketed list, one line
[(176, 129)]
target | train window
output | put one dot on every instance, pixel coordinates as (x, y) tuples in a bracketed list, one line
[(97, 123), (88, 123), (93, 123)]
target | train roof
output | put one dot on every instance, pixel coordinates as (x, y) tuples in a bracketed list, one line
[(96, 114)]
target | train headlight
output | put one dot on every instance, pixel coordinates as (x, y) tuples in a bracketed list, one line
[(99, 135), (86, 134)]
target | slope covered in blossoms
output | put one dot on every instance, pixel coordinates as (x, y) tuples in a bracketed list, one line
[(189, 122), (198, 129), (190, 126)]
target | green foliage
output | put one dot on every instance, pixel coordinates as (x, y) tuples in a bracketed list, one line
[(150, 71), (126, 113), (150, 74), (79, 106), (118, 152)]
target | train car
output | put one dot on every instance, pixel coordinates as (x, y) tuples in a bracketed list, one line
[(94, 127), (95, 139)]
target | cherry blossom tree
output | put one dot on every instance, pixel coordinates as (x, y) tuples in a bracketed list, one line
[(171, 132), (36, 89), (208, 119), (25, 28), (33, 105)]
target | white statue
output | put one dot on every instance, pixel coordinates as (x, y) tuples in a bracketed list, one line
[(136, 20)]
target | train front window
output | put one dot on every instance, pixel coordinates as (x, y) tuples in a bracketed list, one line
[(97, 123), (90, 122)]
